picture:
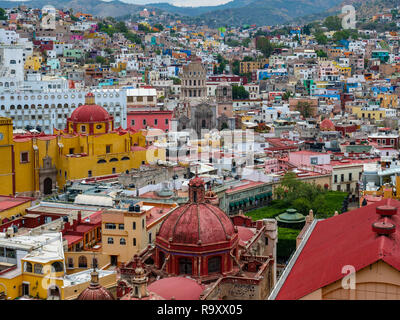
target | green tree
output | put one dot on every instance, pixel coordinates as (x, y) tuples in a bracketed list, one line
[(302, 205), (264, 45), (304, 108), (239, 92), (236, 67), (321, 38), (321, 54), (287, 95), (159, 26), (3, 15), (333, 23), (101, 60)]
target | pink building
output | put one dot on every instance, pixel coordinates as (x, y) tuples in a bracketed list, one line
[(137, 120), (76, 37), (308, 158)]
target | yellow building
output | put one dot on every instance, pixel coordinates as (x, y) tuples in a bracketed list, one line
[(33, 62), (13, 207), (365, 113), (127, 231), (388, 100), (33, 266), (88, 147), (343, 71), (250, 66)]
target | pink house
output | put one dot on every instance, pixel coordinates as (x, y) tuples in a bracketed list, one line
[(76, 37), (138, 120), (309, 158)]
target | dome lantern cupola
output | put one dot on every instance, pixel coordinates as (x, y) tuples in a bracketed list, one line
[(197, 190)]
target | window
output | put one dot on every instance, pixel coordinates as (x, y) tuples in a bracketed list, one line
[(38, 268), (350, 177), (134, 241), (82, 262), (143, 223), (110, 226), (121, 226), (108, 148), (342, 177), (83, 128), (155, 122), (214, 264), (57, 267), (150, 237), (89, 173), (185, 266), (28, 267), (122, 242), (70, 263), (134, 225), (114, 170), (110, 240), (144, 122), (24, 157), (338, 188), (166, 121), (132, 122), (314, 160)]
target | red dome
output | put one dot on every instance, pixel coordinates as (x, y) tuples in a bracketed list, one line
[(327, 124), (95, 291), (194, 222), (90, 113), (178, 288)]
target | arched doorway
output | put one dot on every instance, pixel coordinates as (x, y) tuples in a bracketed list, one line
[(53, 293), (47, 186)]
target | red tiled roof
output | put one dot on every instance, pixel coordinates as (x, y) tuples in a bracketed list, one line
[(346, 239), (72, 239)]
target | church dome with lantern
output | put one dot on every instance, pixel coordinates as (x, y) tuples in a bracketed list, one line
[(197, 238), (95, 291), (90, 118)]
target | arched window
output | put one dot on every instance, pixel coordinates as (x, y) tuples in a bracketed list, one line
[(214, 264), (125, 158), (113, 160), (28, 267), (82, 262), (122, 241), (38, 268), (102, 161), (57, 267)]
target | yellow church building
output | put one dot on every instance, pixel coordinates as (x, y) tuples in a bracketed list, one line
[(89, 146)]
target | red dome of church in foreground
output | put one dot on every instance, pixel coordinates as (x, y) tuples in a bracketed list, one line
[(199, 237), (327, 125), (95, 291), (197, 222)]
